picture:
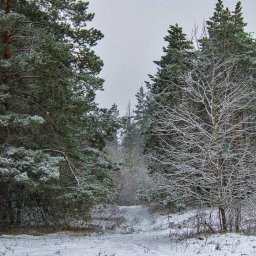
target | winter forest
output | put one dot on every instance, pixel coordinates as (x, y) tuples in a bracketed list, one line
[(176, 175)]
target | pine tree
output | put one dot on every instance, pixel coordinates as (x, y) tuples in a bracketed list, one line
[(49, 133)]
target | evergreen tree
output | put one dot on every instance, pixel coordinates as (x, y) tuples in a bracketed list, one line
[(141, 117), (203, 134), (51, 131), (211, 160), (114, 144), (141, 110), (227, 40), (229, 43), (227, 36), (166, 86), (172, 65), (129, 131)]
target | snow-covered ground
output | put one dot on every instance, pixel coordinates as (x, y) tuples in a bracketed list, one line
[(141, 233)]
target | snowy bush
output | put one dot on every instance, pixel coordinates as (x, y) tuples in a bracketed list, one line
[(25, 175)]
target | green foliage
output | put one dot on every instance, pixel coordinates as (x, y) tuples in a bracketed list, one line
[(226, 50), (134, 124), (226, 35), (165, 88), (29, 167), (48, 81), (141, 115)]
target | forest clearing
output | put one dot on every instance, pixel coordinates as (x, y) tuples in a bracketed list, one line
[(141, 233), (174, 175)]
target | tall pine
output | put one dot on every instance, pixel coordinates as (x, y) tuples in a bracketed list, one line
[(51, 131)]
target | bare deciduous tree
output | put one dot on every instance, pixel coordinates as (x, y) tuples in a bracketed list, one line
[(211, 157)]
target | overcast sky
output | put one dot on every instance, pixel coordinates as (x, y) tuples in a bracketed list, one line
[(134, 32)]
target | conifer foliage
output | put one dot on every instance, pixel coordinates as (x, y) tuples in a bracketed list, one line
[(201, 140), (165, 87), (51, 159)]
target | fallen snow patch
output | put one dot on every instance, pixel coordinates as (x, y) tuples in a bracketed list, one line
[(139, 233)]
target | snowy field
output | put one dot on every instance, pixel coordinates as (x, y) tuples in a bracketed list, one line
[(141, 233)]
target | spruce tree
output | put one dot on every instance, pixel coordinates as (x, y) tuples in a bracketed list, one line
[(175, 61), (226, 35), (166, 86), (129, 131), (141, 116)]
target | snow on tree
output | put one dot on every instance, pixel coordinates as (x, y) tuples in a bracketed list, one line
[(211, 158), (48, 81)]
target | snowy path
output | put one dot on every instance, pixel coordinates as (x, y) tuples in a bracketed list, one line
[(141, 234)]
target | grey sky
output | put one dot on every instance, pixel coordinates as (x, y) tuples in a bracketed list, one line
[(134, 32)]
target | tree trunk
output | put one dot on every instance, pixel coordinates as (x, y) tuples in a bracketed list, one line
[(224, 227), (7, 53), (7, 37), (238, 218)]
